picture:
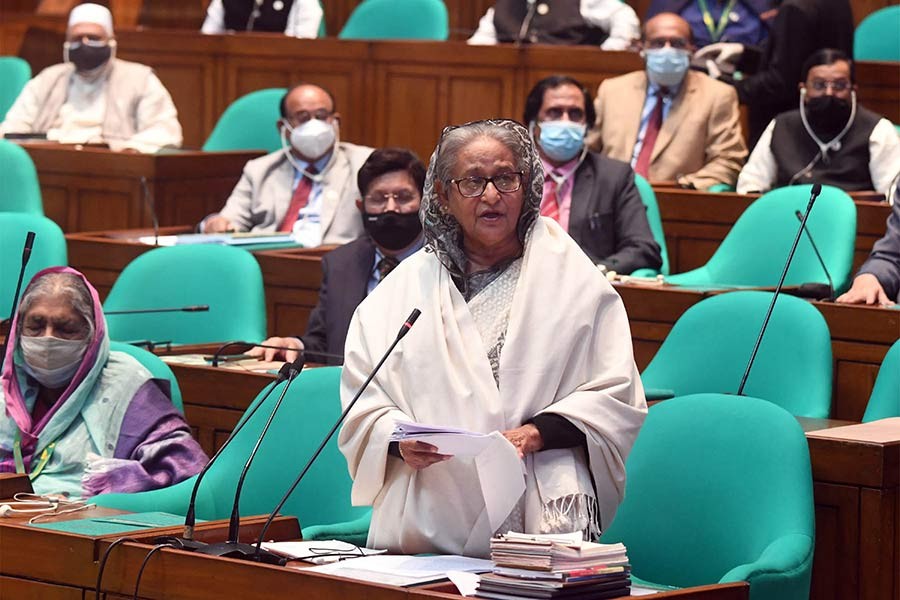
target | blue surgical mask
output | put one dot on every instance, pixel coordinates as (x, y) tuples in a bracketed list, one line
[(561, 141), (666, 66)]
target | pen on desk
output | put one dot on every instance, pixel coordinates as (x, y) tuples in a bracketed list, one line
[(126, 522)]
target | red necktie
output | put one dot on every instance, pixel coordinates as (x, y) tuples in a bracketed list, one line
[(299, 200), (642, 166), (550, 204)]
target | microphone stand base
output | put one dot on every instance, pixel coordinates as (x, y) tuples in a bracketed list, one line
[(226, 550)]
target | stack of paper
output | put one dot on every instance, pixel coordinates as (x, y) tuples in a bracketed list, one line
[(455, 442), (555, 566)]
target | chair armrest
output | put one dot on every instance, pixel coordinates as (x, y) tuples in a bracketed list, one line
[(173, 499), (782, 570), (354, 532)]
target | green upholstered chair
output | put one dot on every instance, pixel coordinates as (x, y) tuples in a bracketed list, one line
[(709, 346), (310, 408), (721, 187), (877, 37), (397, 20), (49, 250), (754, 251), (227, 279), (719, 489), (14, 74), (249, 123), (885, 399), (156, 366), (648, 197), (20, 190)]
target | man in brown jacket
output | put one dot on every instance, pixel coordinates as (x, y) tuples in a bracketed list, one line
[(671, 124)]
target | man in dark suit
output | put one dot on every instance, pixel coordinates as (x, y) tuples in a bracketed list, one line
[(390, 184), (591, 196), (878, 280)]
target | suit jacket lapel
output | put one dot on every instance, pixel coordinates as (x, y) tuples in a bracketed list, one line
[(680, 108), (337, 177), (581, 195), (631, 113)]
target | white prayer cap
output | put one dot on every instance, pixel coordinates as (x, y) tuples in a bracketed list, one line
[(92, 13)]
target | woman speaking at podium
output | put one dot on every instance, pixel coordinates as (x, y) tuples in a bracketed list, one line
[(519, 333)]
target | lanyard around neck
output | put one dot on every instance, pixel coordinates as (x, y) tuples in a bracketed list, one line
[(716, 30), (42, 461)]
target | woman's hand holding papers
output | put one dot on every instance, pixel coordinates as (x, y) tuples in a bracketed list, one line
[(419, 455), (526, 439)]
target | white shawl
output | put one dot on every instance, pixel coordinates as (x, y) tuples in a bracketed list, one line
[(567, 351)]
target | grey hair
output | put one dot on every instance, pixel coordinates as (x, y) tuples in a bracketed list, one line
[(458, 138), (59, 284)]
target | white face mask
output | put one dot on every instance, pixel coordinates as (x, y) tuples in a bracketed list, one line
[(313, 139), (50, 360)]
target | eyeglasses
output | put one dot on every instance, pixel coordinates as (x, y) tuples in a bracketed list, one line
[(555, 113), (840, 85), (505, 183), (303, 116), (679, 43), (380, 199)]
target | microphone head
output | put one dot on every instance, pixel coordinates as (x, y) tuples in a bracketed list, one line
[(196, 308), (284, 372), (29, 240), (816, 189), (798, 214), (409, 322), (297, 366)]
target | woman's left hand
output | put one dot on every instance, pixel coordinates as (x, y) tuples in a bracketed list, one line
[(526, 439)]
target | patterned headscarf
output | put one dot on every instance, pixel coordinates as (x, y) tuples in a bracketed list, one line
[(443, 234)]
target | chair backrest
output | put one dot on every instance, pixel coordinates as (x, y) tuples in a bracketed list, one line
[(878, 36), (20, 190), (156, 366), (648, 197), (708, 348), (14, 74), (311, 407), (227, 279), (885, 399), (754, 251), (248, 123), (398, 20), (49, 250), (714, 483)]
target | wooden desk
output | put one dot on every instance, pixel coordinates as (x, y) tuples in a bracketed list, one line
[(54, 565), (857, 496), (93, 189), (291, 277), (695, 223), (860, 337)]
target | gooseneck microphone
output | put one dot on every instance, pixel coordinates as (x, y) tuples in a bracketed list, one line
[(217, 356), (815, 248), (190, 517), (26, 255), (407, 325), (814, 193), (140, 311), (526, 22), (232, 548)]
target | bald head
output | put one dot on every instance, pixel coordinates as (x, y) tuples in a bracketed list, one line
[(667, 27)]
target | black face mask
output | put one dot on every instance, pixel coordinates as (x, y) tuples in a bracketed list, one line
[(88, 57), (392, 230), (827, 115)]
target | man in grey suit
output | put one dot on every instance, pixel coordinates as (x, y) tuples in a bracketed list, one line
[(307, 188), (390, 185), (591, 196), (878, 281)]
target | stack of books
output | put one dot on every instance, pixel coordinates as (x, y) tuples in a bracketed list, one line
[(554, 566)]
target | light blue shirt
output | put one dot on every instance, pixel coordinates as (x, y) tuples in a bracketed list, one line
[(649, 105), (308, 227), (374, 275)]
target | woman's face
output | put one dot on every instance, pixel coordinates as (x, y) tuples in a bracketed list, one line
[(54, 316), (488, 221)]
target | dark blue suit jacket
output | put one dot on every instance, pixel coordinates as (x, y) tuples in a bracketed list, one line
[(884, 262)]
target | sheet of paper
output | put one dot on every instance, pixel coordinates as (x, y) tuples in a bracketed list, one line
[(403, 570), (637, 590), (164, 240), (319, 552), (501, 477), (448, 440), (466, 583)]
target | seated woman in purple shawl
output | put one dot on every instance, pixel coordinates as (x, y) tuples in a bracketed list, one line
[(79, 419)]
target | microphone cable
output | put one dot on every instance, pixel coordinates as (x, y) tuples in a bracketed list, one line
[(154, 550), (103, 560)]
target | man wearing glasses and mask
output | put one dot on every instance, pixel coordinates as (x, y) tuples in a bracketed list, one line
[(671, 124), (390, 185), (94, 97), (307, 187), (828, 139)]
